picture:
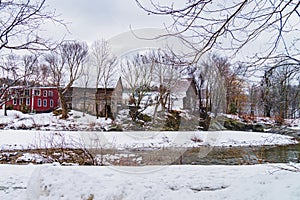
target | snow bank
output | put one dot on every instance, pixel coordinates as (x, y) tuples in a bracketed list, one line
[(49, 134), (47, 121), (16, 139), (155, 182)]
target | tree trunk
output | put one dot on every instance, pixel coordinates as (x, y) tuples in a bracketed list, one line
[(155, 112), (84, 102), (97, 108), (106, 109), (267, 111), (97, 103), (5, 110), (252, 110), (64, 106), (200, 100)]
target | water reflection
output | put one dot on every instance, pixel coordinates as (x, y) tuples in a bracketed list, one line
[(243, 155), (210, 156)]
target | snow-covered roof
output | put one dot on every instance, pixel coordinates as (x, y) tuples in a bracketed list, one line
[(181, 87), (32, 87), (112, 83)]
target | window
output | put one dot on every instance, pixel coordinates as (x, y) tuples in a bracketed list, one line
[(28, 101), (15, 101), (51, 103), (37, 92), (26, 92), (45, 102), (50, 93), (20, 101), (45, 93), (39, 102)]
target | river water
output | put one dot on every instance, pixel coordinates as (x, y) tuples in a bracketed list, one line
[(243, 155), (206, 155)]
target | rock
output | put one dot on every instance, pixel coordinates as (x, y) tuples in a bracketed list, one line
[(236, 125), (216, 126), (259, 128)]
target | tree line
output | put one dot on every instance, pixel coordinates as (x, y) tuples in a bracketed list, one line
[(221, 86)]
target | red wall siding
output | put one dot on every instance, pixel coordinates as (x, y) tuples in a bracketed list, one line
[(47, 98), (51, 95)]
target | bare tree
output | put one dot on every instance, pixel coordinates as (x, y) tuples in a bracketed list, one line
[(165, 76), (20, 25), (295, 101), (9, 77), (206, 25), (20, 22), (31, 69), (16, 71), (233, 84), (108, 79), (44, 73), (105, 64), (215, 89), (266, 93), (66, 61), (279, 92), (137, 73), (85, 78)]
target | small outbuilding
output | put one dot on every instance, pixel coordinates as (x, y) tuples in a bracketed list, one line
[(93, 101)]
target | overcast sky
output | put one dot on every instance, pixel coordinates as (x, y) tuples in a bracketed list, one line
[(90, 20)]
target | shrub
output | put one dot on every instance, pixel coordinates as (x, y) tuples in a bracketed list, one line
[(172, 121), (25, 109), (91, 197), (144, 117), (57, 112), (279, 120), (9, 107)]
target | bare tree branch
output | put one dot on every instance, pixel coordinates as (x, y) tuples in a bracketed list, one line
[(67, 61), (208, 25), (20, 23)]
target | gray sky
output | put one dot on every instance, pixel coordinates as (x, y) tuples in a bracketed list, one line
[(90, 20)]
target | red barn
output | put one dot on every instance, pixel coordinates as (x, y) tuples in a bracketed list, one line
[(33, 99)]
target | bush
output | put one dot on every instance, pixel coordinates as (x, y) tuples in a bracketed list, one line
[(9, 107), (25, 109), (232, 109), (173, 121), (279, 120), (144, 117), (57, 112)]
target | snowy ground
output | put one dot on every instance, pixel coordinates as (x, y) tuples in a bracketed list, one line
[(48, 131), (47, 122), (33, 182), (52, 181), (17, 139)]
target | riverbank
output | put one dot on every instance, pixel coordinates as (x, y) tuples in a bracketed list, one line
[(122, 152), (137, 148), (26, 139)]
